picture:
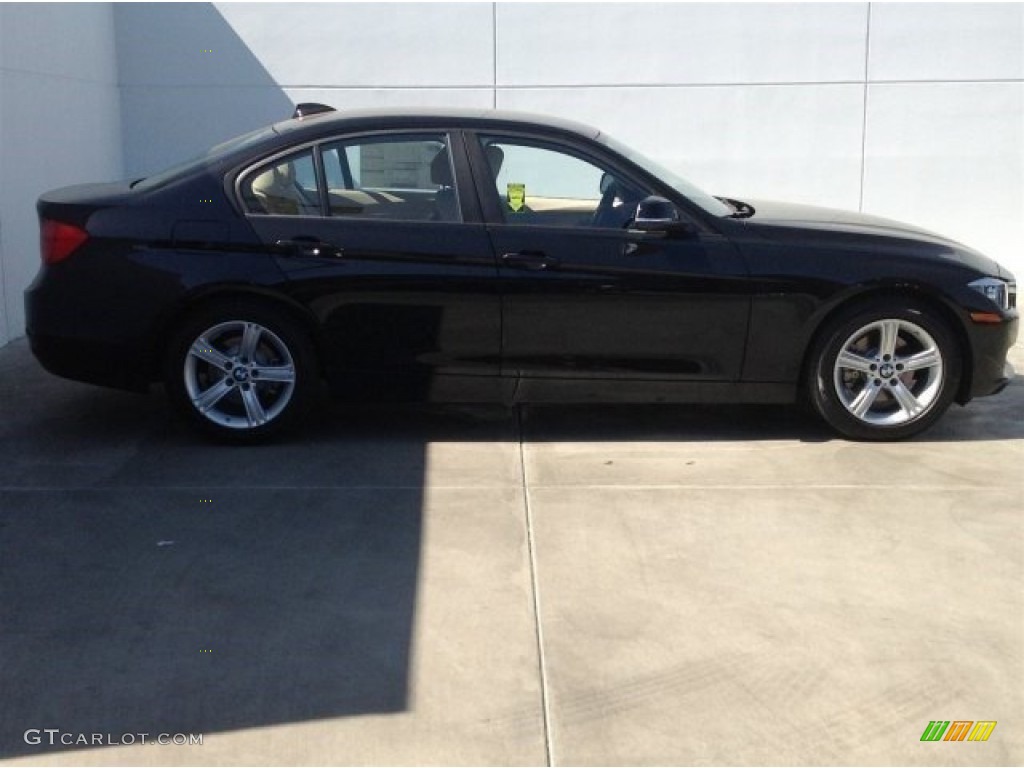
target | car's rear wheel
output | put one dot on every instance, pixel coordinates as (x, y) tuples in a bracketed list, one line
[(886, 371), (241, 372)]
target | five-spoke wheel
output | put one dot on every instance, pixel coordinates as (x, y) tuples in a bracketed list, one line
[(240, 372), (884, 372)]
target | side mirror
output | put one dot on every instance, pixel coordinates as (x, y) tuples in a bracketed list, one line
[(659, 216)]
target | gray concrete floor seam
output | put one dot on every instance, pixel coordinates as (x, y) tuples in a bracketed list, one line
[(532, 550), (676, 585)]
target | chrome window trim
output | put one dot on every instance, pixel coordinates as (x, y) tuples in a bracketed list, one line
[(246, 171), (316, 145)]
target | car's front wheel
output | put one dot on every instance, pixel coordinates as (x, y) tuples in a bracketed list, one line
[(885, 371), (240, 372)]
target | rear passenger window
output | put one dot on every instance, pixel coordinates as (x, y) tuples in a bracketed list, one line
[(283, 187), (396, 177)]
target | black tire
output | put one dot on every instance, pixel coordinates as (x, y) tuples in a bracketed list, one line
[(234, 393), (900, 370)]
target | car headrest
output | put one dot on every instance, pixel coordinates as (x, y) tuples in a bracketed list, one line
[(274, 180), (495, 157), (441, 169)]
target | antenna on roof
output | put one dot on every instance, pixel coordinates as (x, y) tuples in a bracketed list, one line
[(310, 108)]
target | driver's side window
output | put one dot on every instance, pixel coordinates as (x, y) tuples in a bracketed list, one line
[(546, 185)]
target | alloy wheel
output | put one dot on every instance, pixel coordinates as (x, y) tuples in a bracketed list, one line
[(889, 372), (239, 375)]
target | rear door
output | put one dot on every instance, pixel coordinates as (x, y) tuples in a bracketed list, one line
[(381, 237)]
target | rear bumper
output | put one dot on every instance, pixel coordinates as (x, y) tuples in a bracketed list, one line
[(94, 341), (93, 362)]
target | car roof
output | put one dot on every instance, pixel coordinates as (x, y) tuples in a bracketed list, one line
[(495, 119)]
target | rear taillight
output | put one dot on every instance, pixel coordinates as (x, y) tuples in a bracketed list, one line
[(58, 240)]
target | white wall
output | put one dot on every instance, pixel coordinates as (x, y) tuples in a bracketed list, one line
[(945, 122), (178, 99), (914, 111), (265, 57), (59, 125)]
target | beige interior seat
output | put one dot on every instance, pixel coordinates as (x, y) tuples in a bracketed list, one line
[(277, 192)]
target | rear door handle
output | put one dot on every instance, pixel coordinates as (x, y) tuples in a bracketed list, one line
[(310, 246), (534, 261)]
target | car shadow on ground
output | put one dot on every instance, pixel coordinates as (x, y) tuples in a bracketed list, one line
[(152, 582), (984, 419)]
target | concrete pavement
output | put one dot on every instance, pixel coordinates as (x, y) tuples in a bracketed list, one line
[(672, 585)]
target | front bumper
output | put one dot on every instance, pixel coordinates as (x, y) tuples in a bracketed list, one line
[(991, 371), (1008, 374)]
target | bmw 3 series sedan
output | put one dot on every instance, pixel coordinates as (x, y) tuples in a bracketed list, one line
[(462, 256)]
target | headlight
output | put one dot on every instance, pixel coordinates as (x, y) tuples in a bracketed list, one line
[(1000, 292)]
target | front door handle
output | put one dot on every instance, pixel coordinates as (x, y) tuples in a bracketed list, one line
[(535, 261), (310, 246)]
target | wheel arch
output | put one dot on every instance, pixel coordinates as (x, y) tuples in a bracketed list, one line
[(867, 295), (216, 295)]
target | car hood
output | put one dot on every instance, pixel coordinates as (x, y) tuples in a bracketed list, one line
[(794, 216), (812, 217)]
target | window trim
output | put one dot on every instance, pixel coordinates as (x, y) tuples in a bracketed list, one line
[(267, 161), (346, 171), (492, 200), (468, 207), (581, 148)]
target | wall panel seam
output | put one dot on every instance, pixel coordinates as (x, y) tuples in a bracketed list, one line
[(765, 84), (864, 108), (55, 76), (554, 86), (494, 55)]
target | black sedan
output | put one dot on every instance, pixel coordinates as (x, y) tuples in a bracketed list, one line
[(499, 257)]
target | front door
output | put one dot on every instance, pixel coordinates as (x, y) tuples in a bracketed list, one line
[(584, 298)]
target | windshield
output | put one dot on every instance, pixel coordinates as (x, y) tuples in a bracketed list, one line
[(692, 193), (221, 150)]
